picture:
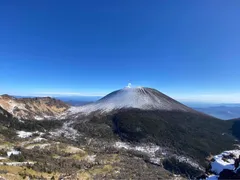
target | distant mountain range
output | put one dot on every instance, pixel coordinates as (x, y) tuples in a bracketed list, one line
[(222, 112)]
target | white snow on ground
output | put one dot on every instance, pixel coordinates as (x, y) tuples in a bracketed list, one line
[(156, 160), (48, 117), (24, 134), (90, 158), (188, 161), (38, 118), (44, 117), (67, 130), (219, 164), (2, 158), (149, 149), (141, 98), (13, 152), (16, 163), (21, 121), (39, 139)]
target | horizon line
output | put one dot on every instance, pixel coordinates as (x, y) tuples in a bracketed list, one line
[(233, 98)]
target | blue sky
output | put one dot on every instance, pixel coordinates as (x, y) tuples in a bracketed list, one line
[(187, 49)]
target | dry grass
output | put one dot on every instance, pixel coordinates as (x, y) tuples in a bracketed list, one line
[(18, 173)]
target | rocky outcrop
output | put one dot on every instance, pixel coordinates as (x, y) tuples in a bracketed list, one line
[(4, 113), (222, 166), (38, 108)]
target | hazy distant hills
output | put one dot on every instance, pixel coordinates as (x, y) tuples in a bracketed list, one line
[(78, 100), (224, 112)]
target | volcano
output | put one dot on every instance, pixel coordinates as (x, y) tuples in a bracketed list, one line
[(142, 98), (145, 115)]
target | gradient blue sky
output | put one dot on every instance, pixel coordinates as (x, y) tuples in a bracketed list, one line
[(187, 49)]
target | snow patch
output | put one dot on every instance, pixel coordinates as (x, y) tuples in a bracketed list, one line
[(24, 134), (44, 117), (21, 121), (155, 160), (67, 131), (2, 158), (13, 152), (16, 163), (220, 163), (223, 161), (188, 161), (90, 158), (39, 139), (151, 149), (38, 118), (148, 149)]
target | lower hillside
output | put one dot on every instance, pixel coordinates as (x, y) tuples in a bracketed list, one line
[(123, 145), (190, 134), (52, 150)]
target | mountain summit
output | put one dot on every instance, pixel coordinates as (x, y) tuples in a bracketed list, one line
[(138, 98)]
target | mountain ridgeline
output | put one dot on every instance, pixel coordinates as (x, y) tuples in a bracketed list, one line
[(38, 108)]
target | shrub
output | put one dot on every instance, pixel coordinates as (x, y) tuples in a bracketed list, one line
[(18, 158)]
